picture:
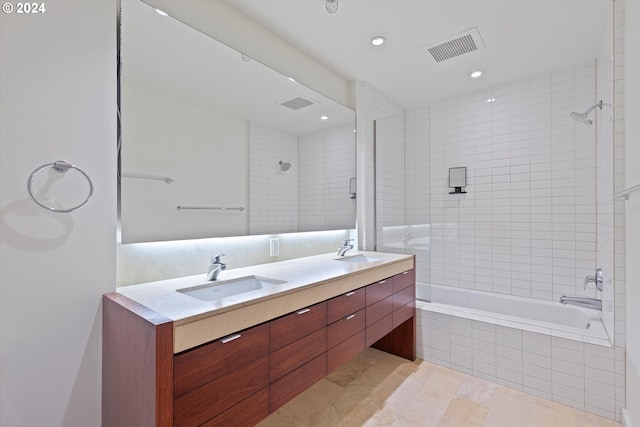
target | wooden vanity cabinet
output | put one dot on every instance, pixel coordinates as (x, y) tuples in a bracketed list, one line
[(241, 378)]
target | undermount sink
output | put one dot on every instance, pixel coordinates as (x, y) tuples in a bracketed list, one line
[(358, 259), (227, 288)]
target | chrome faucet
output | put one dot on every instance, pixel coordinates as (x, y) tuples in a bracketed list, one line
[(216, 267), (345, 247), (595, 304), (596, 279)]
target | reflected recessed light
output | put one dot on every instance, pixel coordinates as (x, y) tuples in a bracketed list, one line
[(324, 117), (377, 41), (475, 74), (162, 13), (292, 79), (490, 100)]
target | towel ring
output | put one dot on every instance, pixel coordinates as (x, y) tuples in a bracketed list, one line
[(62, 167)]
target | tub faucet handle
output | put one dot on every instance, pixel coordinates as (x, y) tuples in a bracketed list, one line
[(596, 279)]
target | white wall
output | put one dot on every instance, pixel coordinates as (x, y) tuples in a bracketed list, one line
[(631, 102), (204, 151), (58, 84)]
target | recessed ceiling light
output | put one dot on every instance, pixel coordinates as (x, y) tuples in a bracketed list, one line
[(162, 13), (490, 100), (324, 117), (291, 79), (377, 41), (475, 74)]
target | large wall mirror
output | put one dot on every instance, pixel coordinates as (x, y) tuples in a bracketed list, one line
[(216, 144)]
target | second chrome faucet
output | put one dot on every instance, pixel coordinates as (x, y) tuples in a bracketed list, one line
[(215, 267)]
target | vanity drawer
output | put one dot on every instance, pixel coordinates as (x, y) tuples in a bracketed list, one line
[(344, 305), (291, 385), (247, 413), (206, 402), (203, 364), (290, 357), (404, 279), (403, 314), (349, 325), (296, 325), (379, 330), (379, 290), (404, 296), (380, 309), (344, 351)]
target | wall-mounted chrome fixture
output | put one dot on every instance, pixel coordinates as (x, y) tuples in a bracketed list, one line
[(584, 117), (352, 188), (284, 166), (596, 279), (457, 180)]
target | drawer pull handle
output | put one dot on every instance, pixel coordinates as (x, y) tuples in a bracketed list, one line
[(382, 282), (303, 311), (351, 316), (406, 272), (229, 338), (348, 294)]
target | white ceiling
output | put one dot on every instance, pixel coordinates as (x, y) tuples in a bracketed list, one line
[(163, 55), (522, 38)]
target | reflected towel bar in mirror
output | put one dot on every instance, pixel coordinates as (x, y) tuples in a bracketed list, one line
[(142, 176), (210, 208)]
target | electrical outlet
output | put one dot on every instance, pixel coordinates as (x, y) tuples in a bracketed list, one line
[(274, 247)]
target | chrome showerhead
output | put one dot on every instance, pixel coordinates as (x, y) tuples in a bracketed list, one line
[(584, 117), (284, 166)]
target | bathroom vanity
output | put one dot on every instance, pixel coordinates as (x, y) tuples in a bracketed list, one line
[(176, 354)]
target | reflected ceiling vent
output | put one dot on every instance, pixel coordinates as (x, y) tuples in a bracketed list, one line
[(466, 42), (296, 103)]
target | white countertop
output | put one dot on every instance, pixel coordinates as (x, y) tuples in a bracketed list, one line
[(302, 277)]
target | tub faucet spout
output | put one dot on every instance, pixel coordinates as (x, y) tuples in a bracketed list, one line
[(592, 303)]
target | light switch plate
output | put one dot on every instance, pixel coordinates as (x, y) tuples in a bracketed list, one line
[(274, 247)]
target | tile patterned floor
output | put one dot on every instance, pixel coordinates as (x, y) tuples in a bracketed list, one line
[(379, 389)]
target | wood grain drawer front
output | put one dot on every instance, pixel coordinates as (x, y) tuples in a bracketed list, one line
[(247, 413), (379, 290), (210, 361), (344, 305), (402, 280), (294, 355), (296, 325), (344, 351), (344, 328), (404, 296), (289, 386), (380, 309), (379, 330), (403, 314), (213, 398)]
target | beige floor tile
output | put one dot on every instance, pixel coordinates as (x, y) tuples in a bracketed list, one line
[(381, 390), (464, 413)]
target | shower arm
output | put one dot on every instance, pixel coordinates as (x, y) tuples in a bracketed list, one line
[(598, 105)]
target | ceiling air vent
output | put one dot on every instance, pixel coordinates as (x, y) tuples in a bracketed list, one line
[(296, 103), (459, 44)]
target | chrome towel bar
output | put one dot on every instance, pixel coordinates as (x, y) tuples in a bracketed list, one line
[(624, 194), (209, 208)]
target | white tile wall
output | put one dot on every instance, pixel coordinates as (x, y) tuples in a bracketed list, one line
[(327, 157), (372, 105), (272, 193), (530, 205)]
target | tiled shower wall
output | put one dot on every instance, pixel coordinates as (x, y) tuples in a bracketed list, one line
[(314, 193), (272, 193), (526, 226), (328, 158)]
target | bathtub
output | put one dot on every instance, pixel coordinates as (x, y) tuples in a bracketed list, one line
[(543, 348), (546, 317)]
